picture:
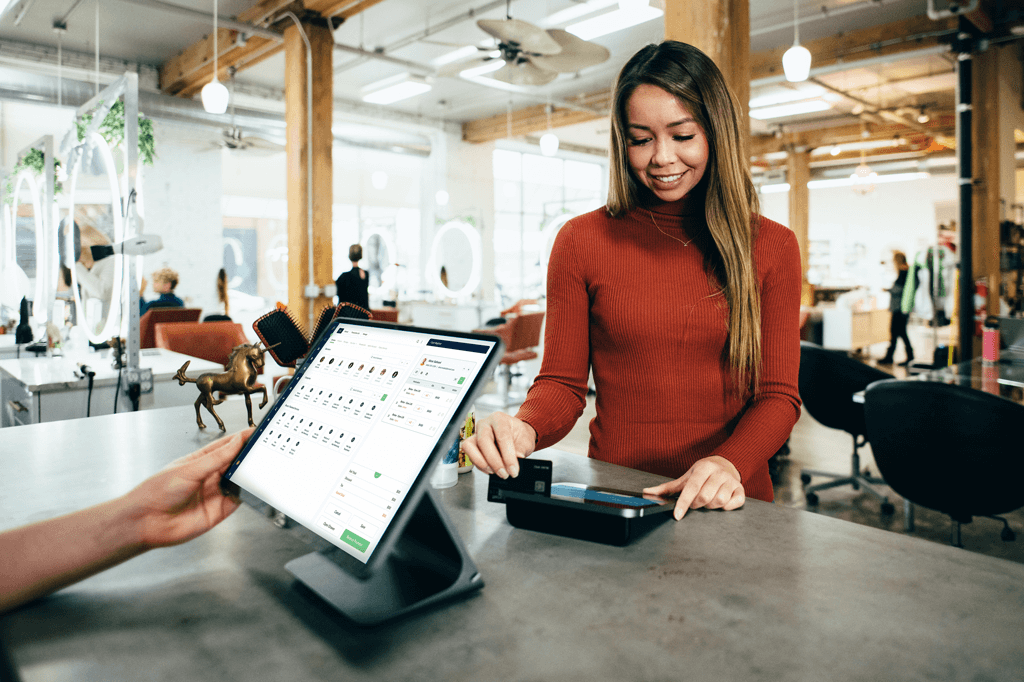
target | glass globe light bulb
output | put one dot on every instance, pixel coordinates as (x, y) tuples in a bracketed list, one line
[(215, 97)]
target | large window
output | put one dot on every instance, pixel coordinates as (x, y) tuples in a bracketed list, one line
[(529, 192)]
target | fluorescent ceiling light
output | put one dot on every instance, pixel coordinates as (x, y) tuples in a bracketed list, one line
[(791, 109), (598, 26), (784, 95), (483, 68), (775, 189), (877, 180), (574, 12), (392, 90)]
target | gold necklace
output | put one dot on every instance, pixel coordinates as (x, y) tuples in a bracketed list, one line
[(686, 243)]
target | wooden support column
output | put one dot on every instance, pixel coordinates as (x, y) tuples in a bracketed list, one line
[(298, 146), (721, 30), (985, 163), (798, 172)]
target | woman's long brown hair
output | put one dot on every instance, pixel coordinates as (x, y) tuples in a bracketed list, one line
[(731, 203)]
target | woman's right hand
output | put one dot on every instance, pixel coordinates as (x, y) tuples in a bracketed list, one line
[(498, 444)]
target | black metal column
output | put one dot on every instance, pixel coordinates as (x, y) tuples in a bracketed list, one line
[(966, 180)]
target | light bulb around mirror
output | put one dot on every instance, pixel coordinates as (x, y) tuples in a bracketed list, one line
[(797, 63), (548, 144), (215, 97)]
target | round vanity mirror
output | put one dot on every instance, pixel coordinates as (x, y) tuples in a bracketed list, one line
[(379, 255), (456, 260), (28, 249), (548, 235), (96, 273)]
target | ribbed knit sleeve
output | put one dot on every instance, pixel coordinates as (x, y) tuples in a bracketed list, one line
[(557, 398)]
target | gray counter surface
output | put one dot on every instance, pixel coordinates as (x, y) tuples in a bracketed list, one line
[(763, 593)]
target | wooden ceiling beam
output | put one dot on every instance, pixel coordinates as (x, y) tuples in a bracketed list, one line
[(940, 127), (911, 34), (889, 39), (339, 8), (534, 119)]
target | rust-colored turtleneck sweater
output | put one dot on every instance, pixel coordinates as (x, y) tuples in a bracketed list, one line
[(627, 299)]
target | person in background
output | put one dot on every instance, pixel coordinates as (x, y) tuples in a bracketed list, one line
[(683, 301), (165, 281), (898, 321), (173, 506), (95, 277), (222, 312), (353, 285)]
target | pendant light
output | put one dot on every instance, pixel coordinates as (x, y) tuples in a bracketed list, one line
[(548, 141), (214, 94), (863, 177), (796, 63)]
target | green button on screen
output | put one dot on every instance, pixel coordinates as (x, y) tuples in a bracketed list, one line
[(350, 538)]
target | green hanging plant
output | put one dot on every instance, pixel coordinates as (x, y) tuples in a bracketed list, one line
[(34, 161), (112, 130)]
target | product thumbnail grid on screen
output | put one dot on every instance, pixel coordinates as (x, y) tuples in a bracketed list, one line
[(356, 430)]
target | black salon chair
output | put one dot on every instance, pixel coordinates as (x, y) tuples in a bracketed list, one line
[(828, 380), (950, 448)]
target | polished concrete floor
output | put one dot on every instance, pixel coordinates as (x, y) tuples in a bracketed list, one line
[(815, 446)]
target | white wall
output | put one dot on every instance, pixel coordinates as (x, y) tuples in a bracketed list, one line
[(182, 197), (23, 124), (471, 187), (899, 215)]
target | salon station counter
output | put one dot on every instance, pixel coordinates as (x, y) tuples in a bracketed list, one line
[(763, 593), (41, 389)]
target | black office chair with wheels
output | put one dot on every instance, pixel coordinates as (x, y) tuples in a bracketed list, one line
[(950, 448), (828, 380)]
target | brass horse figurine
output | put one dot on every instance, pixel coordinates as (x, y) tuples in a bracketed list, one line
[(243, 365)]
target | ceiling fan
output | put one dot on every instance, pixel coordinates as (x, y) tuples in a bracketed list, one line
[(235, 139), (532, 55)]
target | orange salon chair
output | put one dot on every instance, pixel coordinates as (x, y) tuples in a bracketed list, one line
[(155, 316), (521, 334), (211, 341)]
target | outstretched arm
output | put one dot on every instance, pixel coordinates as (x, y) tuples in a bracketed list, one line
[(179, 503)]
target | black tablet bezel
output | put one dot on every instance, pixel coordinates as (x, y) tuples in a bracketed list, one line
[(420, 484)]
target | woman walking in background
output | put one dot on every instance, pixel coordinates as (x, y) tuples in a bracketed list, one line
[(898, 323)]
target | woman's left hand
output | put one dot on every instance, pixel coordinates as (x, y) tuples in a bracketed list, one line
[(185, 500), (712, 483)]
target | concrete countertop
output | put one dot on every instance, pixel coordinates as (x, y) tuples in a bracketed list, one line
[(763, 593)]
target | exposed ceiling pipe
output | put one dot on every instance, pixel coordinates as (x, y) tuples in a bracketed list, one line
[(429, 31), (421, 69), (204, 18), (825, 13), (872, 109), (63, 20), (42, 90), (953, 10), (252, 30)]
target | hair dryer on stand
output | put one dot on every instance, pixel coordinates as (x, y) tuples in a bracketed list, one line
[(23, 334)]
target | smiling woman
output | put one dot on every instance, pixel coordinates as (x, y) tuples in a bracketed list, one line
[(677, 295)]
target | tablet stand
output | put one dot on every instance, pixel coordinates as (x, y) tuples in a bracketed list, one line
[(427, 565)]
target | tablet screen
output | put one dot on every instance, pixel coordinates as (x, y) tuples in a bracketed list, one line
[(347, 441)]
